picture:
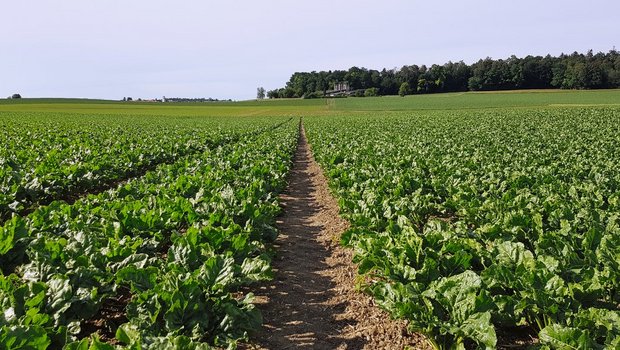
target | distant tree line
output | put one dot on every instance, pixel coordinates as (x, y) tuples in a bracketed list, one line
[(200, 99), (574, 71), (176, 99)]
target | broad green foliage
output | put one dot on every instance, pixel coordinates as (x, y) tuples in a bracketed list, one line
[(473, 221), (182, 240), (50, 156)]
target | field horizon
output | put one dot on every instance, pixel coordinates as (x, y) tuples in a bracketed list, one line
[(280, 107)]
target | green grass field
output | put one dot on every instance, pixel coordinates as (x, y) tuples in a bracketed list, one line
[(447, 101), (484, 100)]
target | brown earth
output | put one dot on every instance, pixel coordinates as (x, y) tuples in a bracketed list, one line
[(313, 302), (108, 318)]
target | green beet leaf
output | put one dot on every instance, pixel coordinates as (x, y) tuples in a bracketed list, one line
[(24, 337), (566, 338)]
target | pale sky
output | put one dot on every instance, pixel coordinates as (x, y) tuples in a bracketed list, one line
[(226, 49)]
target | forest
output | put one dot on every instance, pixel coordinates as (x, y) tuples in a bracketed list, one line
[(574, 71)]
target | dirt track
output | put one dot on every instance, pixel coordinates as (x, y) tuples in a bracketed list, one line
[(312, 302)]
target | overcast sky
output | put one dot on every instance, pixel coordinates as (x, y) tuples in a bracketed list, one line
[(226, 49)]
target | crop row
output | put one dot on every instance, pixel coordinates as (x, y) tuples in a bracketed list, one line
[(470, 225), (48, 157), (171, 249)]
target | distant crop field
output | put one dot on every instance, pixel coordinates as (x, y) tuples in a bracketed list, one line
[(483, 100), (299, 107)]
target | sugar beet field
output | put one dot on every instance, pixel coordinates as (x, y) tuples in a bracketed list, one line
[(164, 228)]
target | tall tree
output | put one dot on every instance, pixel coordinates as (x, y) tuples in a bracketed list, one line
[(260, 93), (404, 89)]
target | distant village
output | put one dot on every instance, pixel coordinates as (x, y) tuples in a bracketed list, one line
[(165, 99)]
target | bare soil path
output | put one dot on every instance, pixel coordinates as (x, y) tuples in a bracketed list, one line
[(313, 303)]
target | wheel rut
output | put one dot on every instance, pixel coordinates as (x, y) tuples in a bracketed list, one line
[(312, 302)]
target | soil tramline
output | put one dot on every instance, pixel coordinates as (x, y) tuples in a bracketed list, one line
[(469, 224), (171, 248)]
